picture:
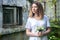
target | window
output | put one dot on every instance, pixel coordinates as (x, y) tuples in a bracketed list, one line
[(12, 15), (8, 16), (19, 16)]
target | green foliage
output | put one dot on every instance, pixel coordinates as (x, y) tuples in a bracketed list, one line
[(55, 23), (54, 34), (30, 1), (40, 0), (55, 30), (54, 1)]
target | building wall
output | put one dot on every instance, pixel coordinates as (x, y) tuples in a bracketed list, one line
[(1, 16), (19, 3), (58, 9), (50, 10), (15, 2)]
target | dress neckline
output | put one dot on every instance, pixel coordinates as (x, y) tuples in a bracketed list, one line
[(38, 19)]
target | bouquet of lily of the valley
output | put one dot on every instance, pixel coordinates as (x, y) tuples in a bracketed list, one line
[(39, 28)]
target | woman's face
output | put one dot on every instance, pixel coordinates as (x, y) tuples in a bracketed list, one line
[(34, 8)]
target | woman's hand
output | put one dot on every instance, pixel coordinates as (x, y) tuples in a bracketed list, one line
[(39, 34), (29, 33)]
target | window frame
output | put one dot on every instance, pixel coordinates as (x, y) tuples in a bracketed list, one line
[(15, 16)]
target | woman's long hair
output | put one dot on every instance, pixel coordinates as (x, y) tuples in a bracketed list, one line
[(40, 11)]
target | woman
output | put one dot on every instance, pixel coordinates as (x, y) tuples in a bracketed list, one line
[(37, 18)]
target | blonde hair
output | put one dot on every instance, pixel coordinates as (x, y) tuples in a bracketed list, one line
[(40, 10)]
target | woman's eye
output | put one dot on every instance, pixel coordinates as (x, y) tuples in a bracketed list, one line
[(34, 7)]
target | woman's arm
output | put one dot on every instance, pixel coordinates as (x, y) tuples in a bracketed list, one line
[(48, 27), (29, 33), (47, 31)]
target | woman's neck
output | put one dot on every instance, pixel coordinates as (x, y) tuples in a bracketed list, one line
[(38, 17)]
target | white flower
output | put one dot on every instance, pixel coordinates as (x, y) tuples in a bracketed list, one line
[(39, 28)]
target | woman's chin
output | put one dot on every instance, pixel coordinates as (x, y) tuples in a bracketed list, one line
[(34, 12)]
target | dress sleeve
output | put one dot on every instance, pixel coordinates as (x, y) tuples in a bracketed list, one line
[(48, 23), (28, 24)]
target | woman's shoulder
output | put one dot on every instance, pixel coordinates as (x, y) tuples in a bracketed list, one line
[(29, 18), (46, 17)]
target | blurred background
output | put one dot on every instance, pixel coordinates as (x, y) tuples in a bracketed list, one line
[(14, 14)]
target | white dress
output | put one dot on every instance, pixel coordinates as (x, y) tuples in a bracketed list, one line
[(32, 24)]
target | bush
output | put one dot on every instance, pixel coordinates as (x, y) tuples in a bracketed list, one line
[(54, 34)]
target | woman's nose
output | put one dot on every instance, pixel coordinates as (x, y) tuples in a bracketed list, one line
[(33, 8)]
